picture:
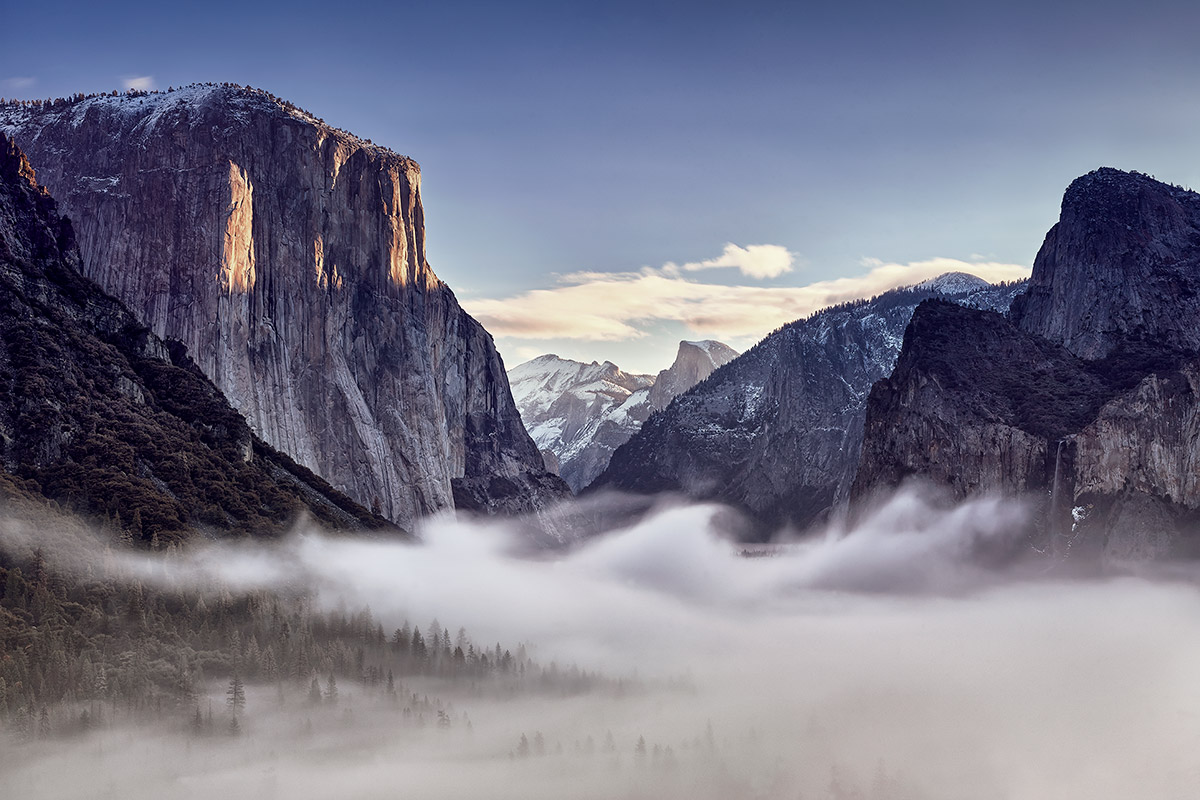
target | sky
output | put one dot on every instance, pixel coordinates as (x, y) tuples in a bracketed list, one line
[(602, 180)]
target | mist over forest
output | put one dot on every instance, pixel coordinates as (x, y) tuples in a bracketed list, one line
[(658, 660), (279, 518)]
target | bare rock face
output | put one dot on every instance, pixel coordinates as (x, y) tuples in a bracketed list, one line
[(103, 417), (1136, 469), (1122, 262), (1086, 401), (776, 432), (1105, 449), (579, 414), (694, 362), (290, 258)]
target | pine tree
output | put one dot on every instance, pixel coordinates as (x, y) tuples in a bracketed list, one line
[(197, 722), (235, 696), (331, 691)]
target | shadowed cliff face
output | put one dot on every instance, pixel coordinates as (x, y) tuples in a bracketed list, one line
[(1089, 398), (290, 259), (100, 414), (1122, 262)]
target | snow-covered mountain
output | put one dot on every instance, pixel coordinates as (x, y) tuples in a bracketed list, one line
[(777, 431), (578, 413)]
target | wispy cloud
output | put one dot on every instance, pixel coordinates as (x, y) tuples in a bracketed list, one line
[(139, 82), (755, 261), (601, 306), (18, 84)]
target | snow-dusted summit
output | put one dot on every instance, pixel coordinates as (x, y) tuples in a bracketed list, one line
[(578, 413)]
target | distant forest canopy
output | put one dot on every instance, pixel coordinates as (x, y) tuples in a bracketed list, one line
[(107, 644)]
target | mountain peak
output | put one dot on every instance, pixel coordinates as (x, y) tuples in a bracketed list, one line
[(1108, 195), (719, 352), (1123, 262), (954, 283)]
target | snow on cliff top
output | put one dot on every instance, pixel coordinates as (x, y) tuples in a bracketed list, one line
[(954, 283), (536, 384), (145, 109), (715, 350)]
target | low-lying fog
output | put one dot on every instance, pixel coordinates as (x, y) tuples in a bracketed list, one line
[(874, 664)]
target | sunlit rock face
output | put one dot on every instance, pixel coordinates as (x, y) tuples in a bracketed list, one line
[(1087, 400), (776, 432), (580, 413), (107, 419), (290, 258)]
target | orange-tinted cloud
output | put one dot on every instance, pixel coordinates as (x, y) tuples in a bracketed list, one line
[(601, 306)]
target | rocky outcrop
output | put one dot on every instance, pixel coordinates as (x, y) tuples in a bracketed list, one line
[(776, 432), (1122, 262), (102, 416), (977, 405), (694, 362), (580, 413), (290, 258), (1086, 402)]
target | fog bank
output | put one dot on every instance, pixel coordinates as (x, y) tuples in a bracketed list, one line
[(880, 662)]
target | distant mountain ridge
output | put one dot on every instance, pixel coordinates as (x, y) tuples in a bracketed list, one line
[(776, 432), (289, 257), (578, 414)]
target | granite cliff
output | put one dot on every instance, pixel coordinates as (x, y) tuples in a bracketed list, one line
[(1123, 262), (1086, 401), (102, 416), (289, 257)]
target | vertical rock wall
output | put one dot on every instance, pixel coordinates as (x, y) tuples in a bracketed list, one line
[(290, 258)]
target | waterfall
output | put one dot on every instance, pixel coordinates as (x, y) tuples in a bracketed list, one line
[(1056, 515)]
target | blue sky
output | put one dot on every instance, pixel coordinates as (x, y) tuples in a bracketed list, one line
[(569, 145)]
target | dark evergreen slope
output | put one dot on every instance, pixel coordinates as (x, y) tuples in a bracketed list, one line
[(105, 418), (776, 432), (1088, 400)]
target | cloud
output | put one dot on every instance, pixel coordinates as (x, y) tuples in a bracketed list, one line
[(756, 260), (601, 306), (19, 83), (140, 82)]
